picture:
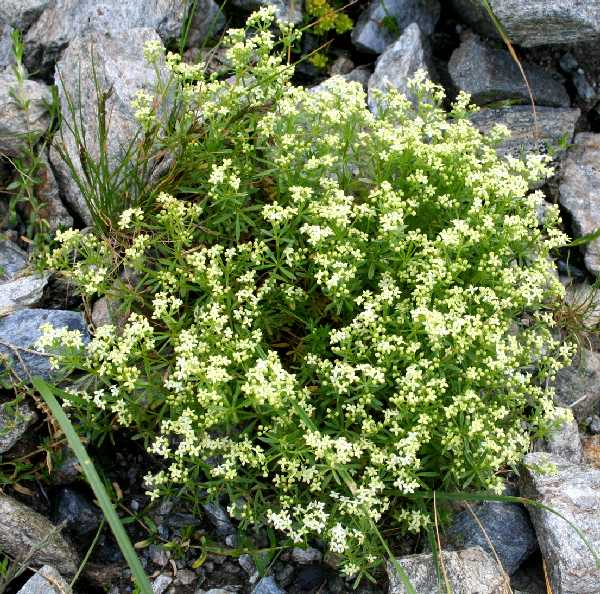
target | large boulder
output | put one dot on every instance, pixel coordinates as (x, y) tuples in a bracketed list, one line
[(490, 75), (65, 20), (24, 531), (470, 571), (117, 63), (21, 13), (22, 292), (19, 332), (550, 128), (23, 113), (536, 22), (399, 62), (384, 20), (580, 192), (572, 490)]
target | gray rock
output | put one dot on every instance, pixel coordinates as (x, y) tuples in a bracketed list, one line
[(23, 113), (208, 20), (21, 292), (46, 581), (594, 425), (12, 259), (585, 91), (551, 127), (53, 210), (565, 441), (23, 530), (574, 491), (360, 75), (490, 75), (306, 556), (158, 555), (14, 422), (21, 13), (267, 585), (384, 20), (65, 20), (119, 65), (542, 22), (470, 571), (580, 192), (399, 63), (507, 526), (578, 386), (6, 54), (286, 10), (161, 583), (20, 330), (76, 513), (219, 519)]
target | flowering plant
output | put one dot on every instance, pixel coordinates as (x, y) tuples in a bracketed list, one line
[(329, 311)]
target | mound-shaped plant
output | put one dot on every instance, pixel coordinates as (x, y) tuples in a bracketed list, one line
[(329, 313)]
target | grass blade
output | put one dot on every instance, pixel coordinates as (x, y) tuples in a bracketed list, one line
[(97, 486)]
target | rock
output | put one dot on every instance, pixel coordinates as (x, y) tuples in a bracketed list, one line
[(23, 113), (306, 556), (12, 259), (470, 571), (15, 419), (208, 20), (543, 22), (23, 530), (158, 555), (381, 23), (310, 577), (490, 75), (76, 513), (578, 386), (267, 585), (341, 65), (67, 469), (507, 526), (286, 10), (21, 13), (46, 581), (185, 577), (161, 583), (20, 330), (591, 450), (119, 65), (573, 490), (22, 292), (63, 21), (219, 519), (580, 192), (585, 91), (53, 210), (595, 425), (565, 441), (360, 75), (399, 63), (6, 54), (552, 127)]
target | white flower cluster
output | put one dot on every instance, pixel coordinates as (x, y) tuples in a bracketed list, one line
[(332, 322)]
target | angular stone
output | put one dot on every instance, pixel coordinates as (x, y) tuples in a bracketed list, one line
[(161, 583), (12, 259), (219, 519), (65, 20), (267, 585), (6, 53), (578, 386), (470, 571), (14, 422), (580, 192), (23, 113), (119, 65), (21, 13), (384, 20), (208, 20), (23, 530), (46, 581), (539, 22), (490, 75), (551, 127), (76, 513), (306, 556), (399, 63), (507, 526), (20, 330), (22, 292), (572, 490), (53, 210), (564, 440)]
